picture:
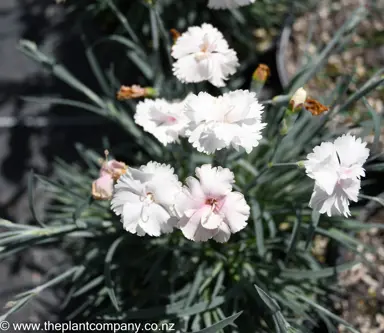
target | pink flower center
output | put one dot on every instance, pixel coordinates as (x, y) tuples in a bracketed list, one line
[(214, 203), (171, 120)]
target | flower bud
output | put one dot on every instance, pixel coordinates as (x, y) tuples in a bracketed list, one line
[(262, 73), (298, 99), (175, 34), (102, 187), (110, 171), (135, 91), (114, 168)]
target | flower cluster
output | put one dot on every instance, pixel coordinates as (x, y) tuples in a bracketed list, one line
[(151, 200), (210, 123), (336, 168)]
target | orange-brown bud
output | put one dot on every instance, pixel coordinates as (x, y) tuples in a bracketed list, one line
[(135, 91), (262, 73), (175, 34)]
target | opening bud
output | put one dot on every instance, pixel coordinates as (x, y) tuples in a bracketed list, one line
[(298, 99)]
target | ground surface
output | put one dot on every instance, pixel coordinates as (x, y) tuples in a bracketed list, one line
[(28, 142)]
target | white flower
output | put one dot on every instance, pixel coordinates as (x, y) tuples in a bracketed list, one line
[(233, 119), (145, 198), (224, 4), (202, 54), (336, 168), (166, 121), (208, 208)]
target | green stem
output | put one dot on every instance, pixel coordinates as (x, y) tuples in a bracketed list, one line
[(272, 164), (266, 168)]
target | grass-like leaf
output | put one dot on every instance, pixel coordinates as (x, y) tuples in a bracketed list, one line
[(221, 324), (107, 272)]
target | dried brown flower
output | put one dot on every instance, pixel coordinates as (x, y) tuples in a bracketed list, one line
[(315, 107)]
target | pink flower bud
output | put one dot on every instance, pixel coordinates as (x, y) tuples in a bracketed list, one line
[(102, 187)]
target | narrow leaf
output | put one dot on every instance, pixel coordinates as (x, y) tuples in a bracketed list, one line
[(259, 230), (107, 272), (268, 300), (317, 274), (31, 197), (315, 217), (327, 313), (221, 324), (195, 285), (295, 235)]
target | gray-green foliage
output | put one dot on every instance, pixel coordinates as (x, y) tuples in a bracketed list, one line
[(265, 278)]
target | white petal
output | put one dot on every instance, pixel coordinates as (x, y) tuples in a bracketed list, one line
[(235, 211), (153, 216), (335, 204), (220, 66), (323, 166), (223, 235), (189, 70), (323, 156), (164, 191), (159, 171), (193, 230), (164, 120), (226, 132), (352, 153), (241, 102), (120, 197), (190, 199), (210, 220), (196, 190), (134, 180), (351, 188), (188, 43), (205, 108), (326, 179), (215, 181), (204, 139), (131, 216)]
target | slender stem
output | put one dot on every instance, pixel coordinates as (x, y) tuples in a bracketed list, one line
[(266, 168), (272, 164), (368, 197)]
